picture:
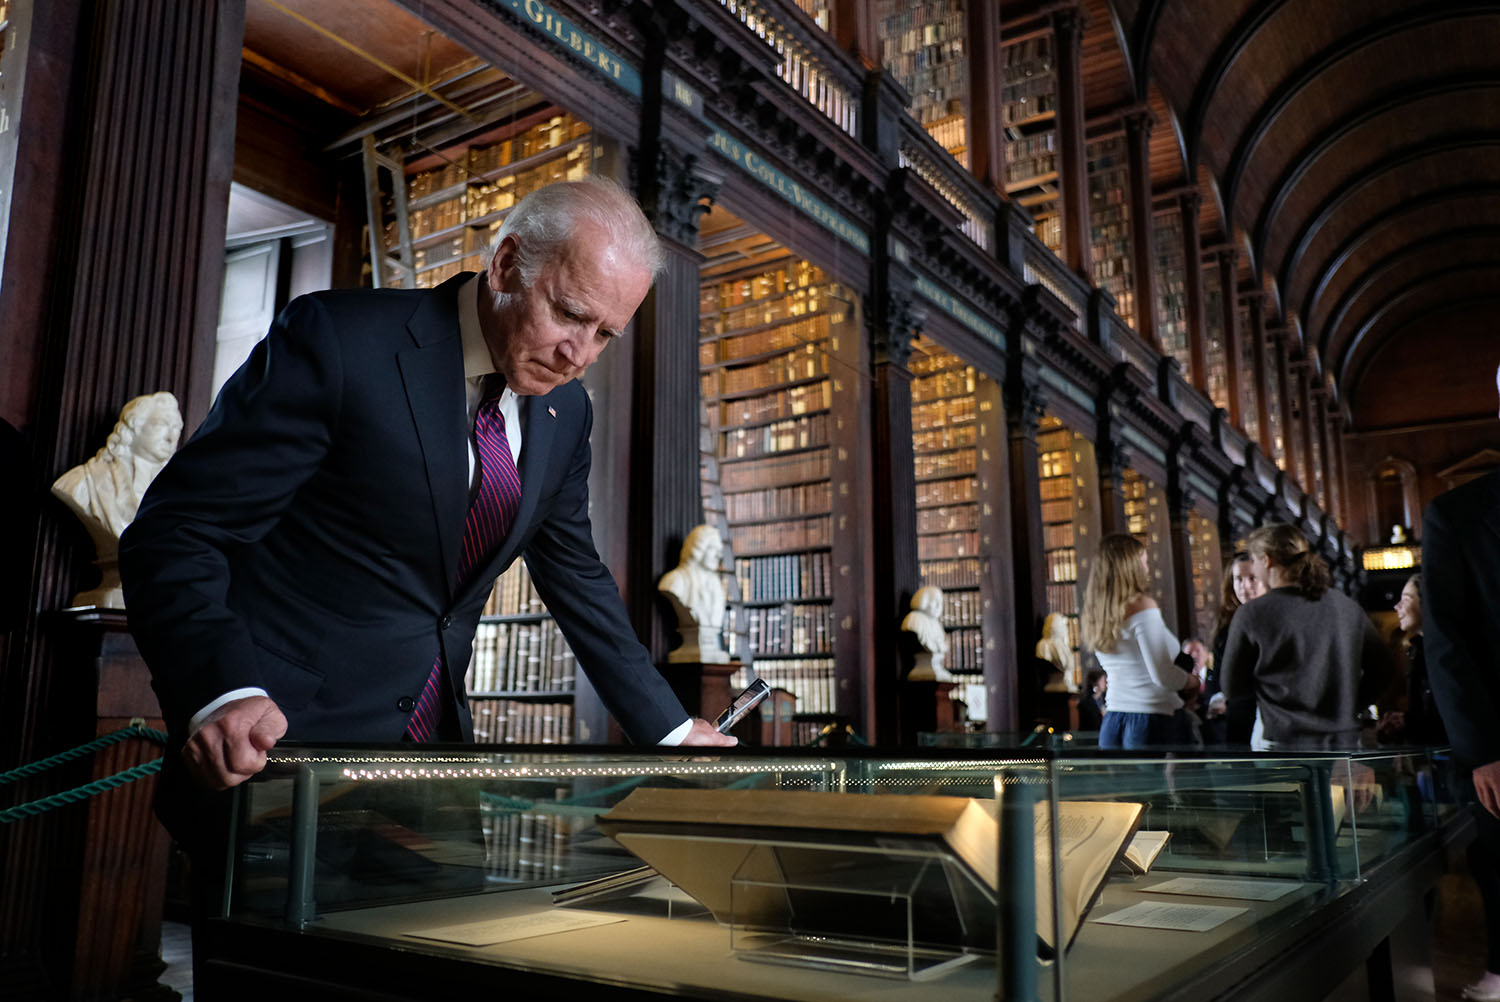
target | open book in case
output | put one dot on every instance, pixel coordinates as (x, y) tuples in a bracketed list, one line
[(765, 874)]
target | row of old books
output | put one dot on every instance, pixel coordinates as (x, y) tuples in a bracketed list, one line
[(789, 629), (521, 657), (806, 362), (793, 533), (517, 722), (785, 577), (514, 594), (965, 650), (779, 436), (788, 402), (941, 492), (528, 846), (955, 518), (779, 502), (773, 471), (948, 544), (953, 436), (945, 464), (773, 281), (811, 681), (953, 573)]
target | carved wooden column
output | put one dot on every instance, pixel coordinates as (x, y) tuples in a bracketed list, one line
[(1233, 343), (111, 289), (1073, 168), (1345, 488), (1305, 395), (996, 542), (897, 572), (1143, 224), (1192, 256), (1264, 376), (986, 139), (1110, 452), (1180, 501), (1025, 405)]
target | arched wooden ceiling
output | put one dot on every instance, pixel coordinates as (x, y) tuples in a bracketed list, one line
[(1356, 148)]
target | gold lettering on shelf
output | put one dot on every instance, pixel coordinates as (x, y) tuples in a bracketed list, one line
[(843, 488), (843, 453), (843, 570), (847, 622), (843, 522)]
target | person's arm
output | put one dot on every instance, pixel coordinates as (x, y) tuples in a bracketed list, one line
[(1237, 673), (1463, 691), (224, 490), (582, 597), (1159, 650)]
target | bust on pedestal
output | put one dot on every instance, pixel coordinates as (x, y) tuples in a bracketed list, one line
[(696, 593), (925, 623), (105, 491)]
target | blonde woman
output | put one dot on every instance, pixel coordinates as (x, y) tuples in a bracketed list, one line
[(1145, 663), (1308, 654)]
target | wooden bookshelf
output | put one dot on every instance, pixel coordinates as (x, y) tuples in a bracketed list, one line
[(945, 415), (922, 44), (772, 327), (1275, 413), (522, 677), (1208, 573), (1109, 222), (1171, 290), (455, 208), (1029, 111)]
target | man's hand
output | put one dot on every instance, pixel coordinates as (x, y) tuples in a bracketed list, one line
[(231, 745), (1487, 786), (704, 733)]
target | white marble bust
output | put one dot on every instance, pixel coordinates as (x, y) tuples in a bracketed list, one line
[(105, 491), (925, 622), (696, 593)]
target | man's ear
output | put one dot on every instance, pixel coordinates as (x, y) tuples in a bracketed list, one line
[(503, 264)]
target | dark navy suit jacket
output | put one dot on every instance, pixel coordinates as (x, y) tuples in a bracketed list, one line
[(1461, 615), (306, 539)]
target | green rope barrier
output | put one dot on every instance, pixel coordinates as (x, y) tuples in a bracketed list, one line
[(35, 807), (137, 729), (33, 768)]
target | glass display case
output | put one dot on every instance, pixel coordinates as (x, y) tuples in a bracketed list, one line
[(982, 873)]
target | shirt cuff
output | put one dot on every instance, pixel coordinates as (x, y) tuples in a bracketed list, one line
[(228, 697), (677, 734)]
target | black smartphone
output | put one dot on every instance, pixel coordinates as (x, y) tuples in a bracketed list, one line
[(743, 704)]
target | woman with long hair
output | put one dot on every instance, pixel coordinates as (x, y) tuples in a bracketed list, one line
[(1227, 724), (1420, 723), (1122, 624), (1307, 653)]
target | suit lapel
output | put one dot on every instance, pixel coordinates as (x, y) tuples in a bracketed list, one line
[(432, 374)]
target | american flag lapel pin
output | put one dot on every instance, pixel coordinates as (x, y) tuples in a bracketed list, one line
[(552, 412)]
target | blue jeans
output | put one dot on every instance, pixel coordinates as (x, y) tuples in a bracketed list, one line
[(1137, 730)]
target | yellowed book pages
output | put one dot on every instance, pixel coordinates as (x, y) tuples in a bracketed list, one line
[(702, 840)]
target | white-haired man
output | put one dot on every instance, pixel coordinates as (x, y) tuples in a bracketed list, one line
[(314, 561)]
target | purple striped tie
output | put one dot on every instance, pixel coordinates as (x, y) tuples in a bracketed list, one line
[(490, 516)]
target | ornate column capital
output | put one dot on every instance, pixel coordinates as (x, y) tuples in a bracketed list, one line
[(904, 318), (683, 185)]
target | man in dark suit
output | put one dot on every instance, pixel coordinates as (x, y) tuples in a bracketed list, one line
[(1461, 624), (296, 568)]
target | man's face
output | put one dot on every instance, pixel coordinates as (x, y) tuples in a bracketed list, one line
[(156, 437), (547, 335)]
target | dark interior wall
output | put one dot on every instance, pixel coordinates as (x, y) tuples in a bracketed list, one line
[(1427, 397)]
